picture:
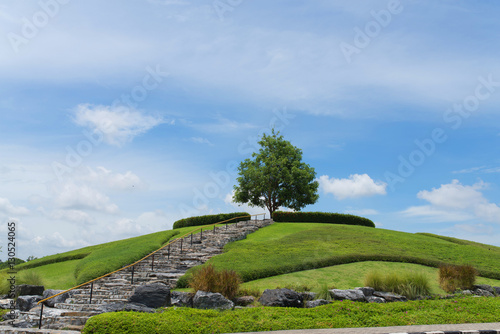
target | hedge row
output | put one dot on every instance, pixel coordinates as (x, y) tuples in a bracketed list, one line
[(321, 217), (211, 219)]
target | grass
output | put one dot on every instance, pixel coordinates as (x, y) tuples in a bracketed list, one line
[(291, 247), (335, 315), (410, 284), (348, 276)]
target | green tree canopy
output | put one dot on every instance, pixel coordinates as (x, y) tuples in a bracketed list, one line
[(276, 177)]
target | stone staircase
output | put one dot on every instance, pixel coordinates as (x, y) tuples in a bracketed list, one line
[(166, 266)]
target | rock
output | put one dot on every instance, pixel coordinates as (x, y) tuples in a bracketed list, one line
[(367, 291), (374, 299), (13, 314), (26, 303), (152, 295), (281, 298), (485, 288), (29, 290), (390, 297), (308, 296), (354, 295), (316, 303), (497, 290), (209, 300), (182, 299), (121, 306), (59, 299), (21, 324), (483, 293), (467, 293), (244, 301), (6, 303)]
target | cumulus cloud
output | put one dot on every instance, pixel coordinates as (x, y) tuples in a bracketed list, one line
[(75, 216), (70, 195), (456, 202), (7, 207), (353, 187), (112, 180), (117, 125)]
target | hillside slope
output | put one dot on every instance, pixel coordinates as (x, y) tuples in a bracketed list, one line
[(290, 247)]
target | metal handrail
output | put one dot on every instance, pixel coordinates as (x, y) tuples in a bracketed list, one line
[(144, 258)]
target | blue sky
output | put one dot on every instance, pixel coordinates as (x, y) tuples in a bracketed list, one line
[(119, 118)]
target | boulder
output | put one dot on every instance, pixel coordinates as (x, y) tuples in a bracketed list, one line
[(354, 295), (209, 300), (467, 293), (29, 290), (374, 299), (367, 291), (152, 295), (182, 299), (281, 298), (121, 306), (12, 315), (390, 297), (308, 296), (497, 290), (244, 301), (316, 303), (484, 287), (6, 303), (59, 299), (26, 303), (483, 293)]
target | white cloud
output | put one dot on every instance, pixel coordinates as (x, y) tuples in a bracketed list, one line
[(118, 125), (70, 195), (456, 202), (116, 181), (7, 207), (56, 240), (200, 140), (354, 187), (76, 216)]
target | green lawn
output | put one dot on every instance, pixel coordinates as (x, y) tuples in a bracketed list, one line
[(348, 276), (335, 315), (289, 247)]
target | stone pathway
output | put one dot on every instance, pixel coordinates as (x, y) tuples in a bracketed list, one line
[(169, 264)]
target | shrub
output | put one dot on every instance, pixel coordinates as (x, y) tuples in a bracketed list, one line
[(454, 277), (211, 219), (321, 217), (249, 292), (207, 278), (408, 284), (323, 292)]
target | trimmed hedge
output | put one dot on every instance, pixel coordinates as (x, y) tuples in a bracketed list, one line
[(210, 219), (321, 217)]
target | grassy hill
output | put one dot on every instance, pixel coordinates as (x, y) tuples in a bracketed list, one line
[(283, 248), (290, 247)]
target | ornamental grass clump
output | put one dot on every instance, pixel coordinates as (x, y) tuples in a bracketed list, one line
[(408, 284), (454, 277), (209, 279)]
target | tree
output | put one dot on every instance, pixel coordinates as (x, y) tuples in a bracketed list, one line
[(276, 177)]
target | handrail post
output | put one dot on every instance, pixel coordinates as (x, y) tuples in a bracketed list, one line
[(191, 239), (168, 252), (201, 235), (132, 279), (181, 244), (152, 262), (91, 291), (214, 229), (41, 316)]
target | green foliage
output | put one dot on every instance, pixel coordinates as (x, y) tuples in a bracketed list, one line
[(285, 248), (207, 278), (321, 217), (6, 264), (454, 277), (211, 219), (408, 284), (57, 258), (30, 277), (335, 315), (323, 292), (276, 177)]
